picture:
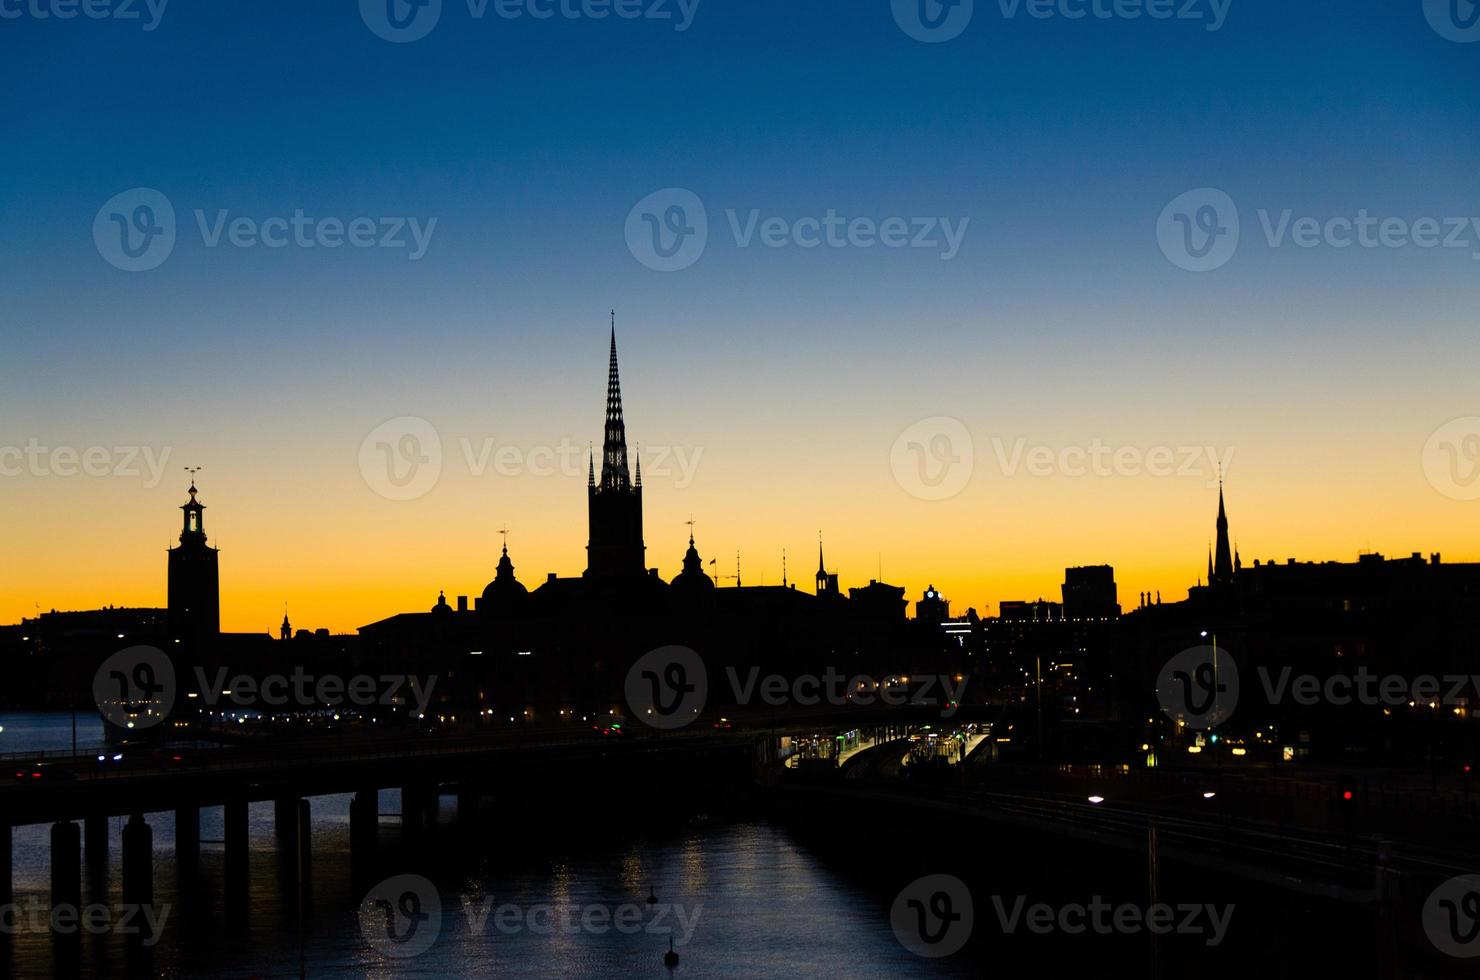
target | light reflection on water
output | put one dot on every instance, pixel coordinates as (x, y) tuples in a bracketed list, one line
[(760, 905), (765, 906)]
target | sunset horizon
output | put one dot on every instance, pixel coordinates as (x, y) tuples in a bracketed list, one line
[(1179, 484)]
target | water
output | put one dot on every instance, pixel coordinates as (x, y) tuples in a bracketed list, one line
[(757, 903), (48, 732)]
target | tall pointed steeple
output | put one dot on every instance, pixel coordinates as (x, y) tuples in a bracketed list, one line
[(614, 472), (1223, 556), (826, 584), (615, 500)]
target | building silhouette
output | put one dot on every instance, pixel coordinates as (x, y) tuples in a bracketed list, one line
[(565, 643), (194, 590), (614, 502)]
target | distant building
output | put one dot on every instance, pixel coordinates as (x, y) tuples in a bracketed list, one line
[(567, 642), (194, 582), (1041, 611), (1385, 617), (1090, 593), (932, 607)]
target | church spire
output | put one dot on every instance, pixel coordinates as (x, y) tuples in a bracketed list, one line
[(1223, 560), (614, 499), (824, 582), (614, 472)]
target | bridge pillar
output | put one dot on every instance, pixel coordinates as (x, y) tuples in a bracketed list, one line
[(419, 807), (285, 823), (138, 861), (364, 824), (467, 806), (236, 851), (411, 812), (303, 837), (187, 842), (66, 865), (7, 875)]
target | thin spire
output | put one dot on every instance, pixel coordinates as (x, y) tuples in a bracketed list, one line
[(1223, 560), (783, 568), (614, 473), (505, 532)]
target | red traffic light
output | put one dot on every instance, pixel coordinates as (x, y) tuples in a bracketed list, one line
[(1346, 794)]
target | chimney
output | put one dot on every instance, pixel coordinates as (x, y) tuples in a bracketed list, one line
[(1434, 558)]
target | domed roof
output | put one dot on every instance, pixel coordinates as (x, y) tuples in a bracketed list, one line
[(505, 587), (692, 576)]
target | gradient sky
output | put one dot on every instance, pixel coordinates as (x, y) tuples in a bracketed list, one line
[(790, 371)]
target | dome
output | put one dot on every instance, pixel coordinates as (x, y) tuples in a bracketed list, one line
[(504, 588)]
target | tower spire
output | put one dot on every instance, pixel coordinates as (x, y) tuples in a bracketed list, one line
[(1223, 557), (614, 499), (194, 529), (614, 472)]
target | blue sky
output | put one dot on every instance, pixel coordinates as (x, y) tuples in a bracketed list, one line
[(528, 141)]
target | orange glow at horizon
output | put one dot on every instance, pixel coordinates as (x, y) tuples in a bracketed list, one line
[(340, 556)]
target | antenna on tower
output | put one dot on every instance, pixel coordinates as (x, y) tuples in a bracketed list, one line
[(783, 568)]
